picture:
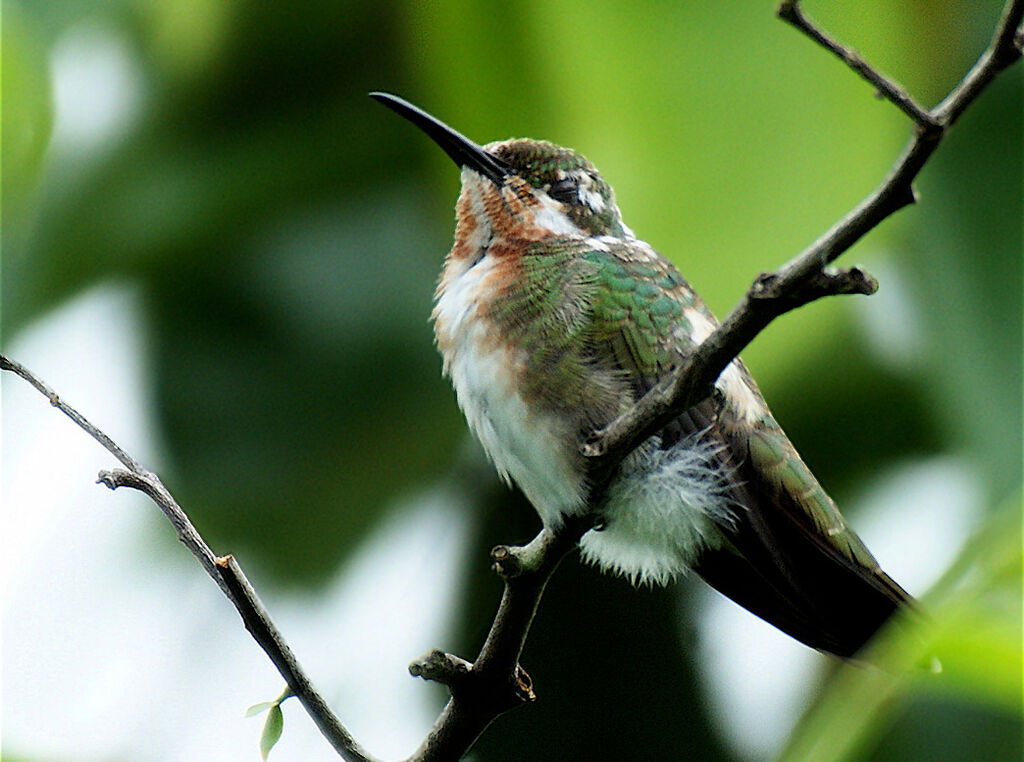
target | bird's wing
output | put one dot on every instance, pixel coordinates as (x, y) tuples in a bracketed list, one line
[(639, 306), (788, 556)]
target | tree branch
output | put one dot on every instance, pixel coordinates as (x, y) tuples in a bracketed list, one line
[(494, 682), (223, 570), (804, 279), (108, 444), (790, 12)]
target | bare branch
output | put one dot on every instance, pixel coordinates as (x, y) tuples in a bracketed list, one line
[(223, 570), (495, 682), (790, 12), (805, 277), (1004, 50), (126, 460), (150, 485), (258, 623)]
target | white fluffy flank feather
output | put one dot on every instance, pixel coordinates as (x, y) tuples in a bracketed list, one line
[(661, 511)]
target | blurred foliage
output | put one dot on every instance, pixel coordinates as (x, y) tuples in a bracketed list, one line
[(964, 662), (27, 112), (285, 233)]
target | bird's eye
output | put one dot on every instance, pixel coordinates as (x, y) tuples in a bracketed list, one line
[(563, 191)]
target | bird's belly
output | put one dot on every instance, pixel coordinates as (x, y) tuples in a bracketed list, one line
[(663, 508), (659, 512), (527, 445)]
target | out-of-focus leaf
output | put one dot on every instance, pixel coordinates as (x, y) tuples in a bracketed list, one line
[(186, 36), (857, 707), (27, 110), (981, 658)]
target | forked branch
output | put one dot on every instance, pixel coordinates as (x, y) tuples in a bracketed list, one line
[(807, 277), (223, 570), (494, 682), (804, 279), (791, 12)]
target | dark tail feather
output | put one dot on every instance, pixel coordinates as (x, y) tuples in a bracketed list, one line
[(779, 572), (777, 564)]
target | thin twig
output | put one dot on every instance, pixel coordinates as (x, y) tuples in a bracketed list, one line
[(1004, 50), (791, 12), (224, 571), (126, 460), (799, 281), (495, 682), (804, 279), (261, 627)]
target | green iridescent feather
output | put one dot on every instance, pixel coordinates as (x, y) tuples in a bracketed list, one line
[(598, 322)]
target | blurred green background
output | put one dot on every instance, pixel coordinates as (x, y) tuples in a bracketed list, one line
[(284, 233)]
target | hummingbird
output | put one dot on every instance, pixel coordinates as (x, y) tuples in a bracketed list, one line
[(553, 318)]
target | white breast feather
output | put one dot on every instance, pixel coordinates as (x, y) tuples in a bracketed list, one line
[(526, 446), (665, 505)]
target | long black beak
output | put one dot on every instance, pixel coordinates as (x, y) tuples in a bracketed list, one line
[(461, 149)]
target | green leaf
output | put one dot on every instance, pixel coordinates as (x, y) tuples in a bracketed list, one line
[(259, 708), (272, 730)]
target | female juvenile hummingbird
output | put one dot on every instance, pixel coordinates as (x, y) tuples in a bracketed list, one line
[(553, 318)]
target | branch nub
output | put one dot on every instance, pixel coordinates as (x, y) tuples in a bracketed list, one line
[(121, 478), (773, 287), (440, 667), (512, 561)]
